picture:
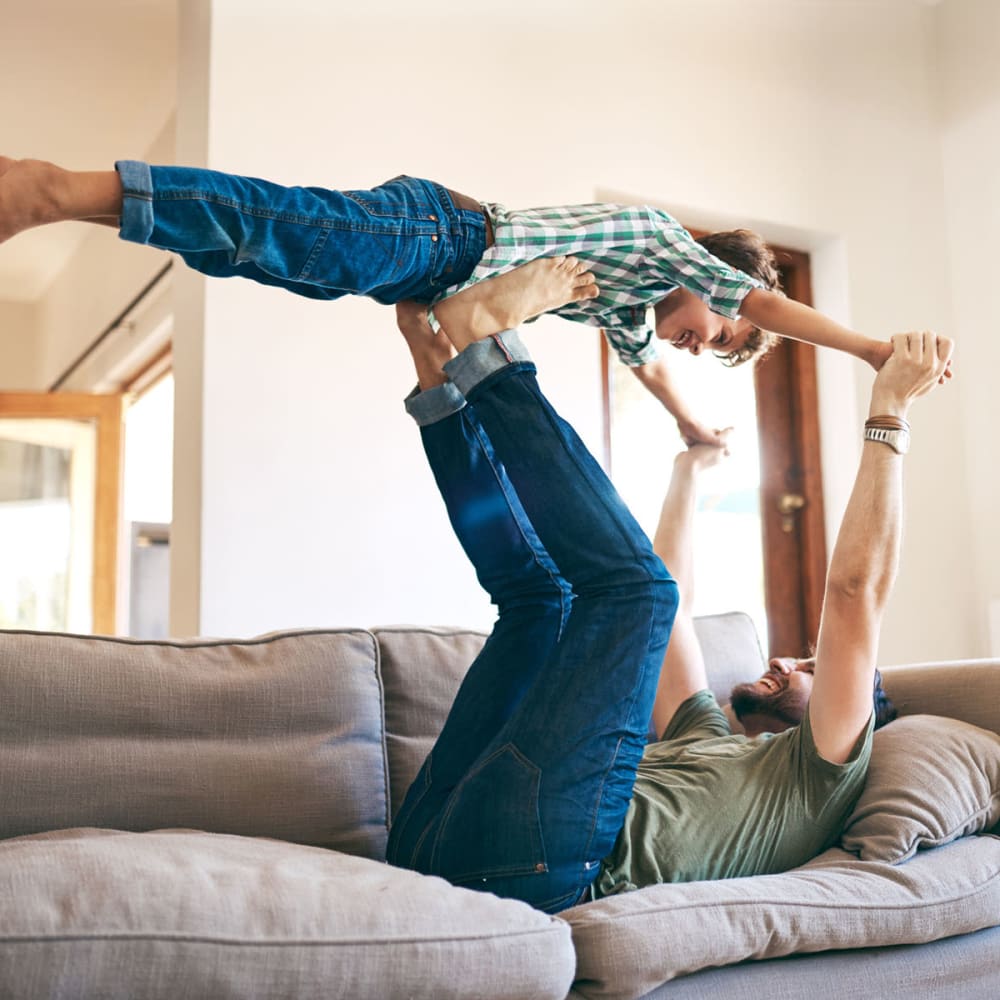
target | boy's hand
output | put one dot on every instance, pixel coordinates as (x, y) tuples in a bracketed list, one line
[(880, 354), (693, 433), (882, 351)]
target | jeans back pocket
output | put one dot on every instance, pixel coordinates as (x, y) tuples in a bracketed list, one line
[(491, 825)]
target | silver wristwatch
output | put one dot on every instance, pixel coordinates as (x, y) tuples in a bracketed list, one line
[(895, 437)]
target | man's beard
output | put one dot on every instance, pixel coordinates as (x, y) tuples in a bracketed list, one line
[(785, 705)]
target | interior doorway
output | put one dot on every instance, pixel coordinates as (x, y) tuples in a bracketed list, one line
[(759, 530)]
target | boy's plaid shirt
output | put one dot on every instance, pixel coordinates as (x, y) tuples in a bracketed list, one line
[(637, 254)]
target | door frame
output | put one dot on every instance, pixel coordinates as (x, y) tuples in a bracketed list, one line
[(105, 412)]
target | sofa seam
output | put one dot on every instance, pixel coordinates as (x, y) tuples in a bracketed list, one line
[(977, 890), (556, 925), (197, 643), (383, 735)]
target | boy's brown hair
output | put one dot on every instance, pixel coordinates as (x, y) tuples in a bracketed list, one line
[(747, 252)]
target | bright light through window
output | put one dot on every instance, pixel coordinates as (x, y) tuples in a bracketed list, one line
[(149, 445), (644, 440)]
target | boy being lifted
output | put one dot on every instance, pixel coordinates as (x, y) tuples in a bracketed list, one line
[(415, 239)]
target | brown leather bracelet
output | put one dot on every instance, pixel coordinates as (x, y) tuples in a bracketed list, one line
[(889, 422)]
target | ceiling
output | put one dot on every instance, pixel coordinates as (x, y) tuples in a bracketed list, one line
[(82, 83)]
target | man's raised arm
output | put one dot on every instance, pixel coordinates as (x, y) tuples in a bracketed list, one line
[(683, 670), (866, 554)]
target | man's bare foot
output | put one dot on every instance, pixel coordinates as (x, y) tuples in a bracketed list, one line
[(35, 193), (429, 352), (504, 302)]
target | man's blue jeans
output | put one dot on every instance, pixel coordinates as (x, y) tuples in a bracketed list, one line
[(404, 239), (529, 782)]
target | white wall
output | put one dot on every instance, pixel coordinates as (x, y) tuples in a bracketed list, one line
[(969, 33), (19, 339), (815, 117), (100, 278), (301, 494)]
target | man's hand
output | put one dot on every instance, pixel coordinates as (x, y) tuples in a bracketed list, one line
[(699, 457), (412, 316), (918, 362)]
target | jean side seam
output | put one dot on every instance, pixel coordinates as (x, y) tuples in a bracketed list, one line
[(627, 537), (419, 229), (618, 745), (565, 592), (322, 237)]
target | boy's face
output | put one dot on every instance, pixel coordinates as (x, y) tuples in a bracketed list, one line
[(689, 325)]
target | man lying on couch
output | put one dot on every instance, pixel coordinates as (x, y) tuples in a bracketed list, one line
[(697, 771), (532, 783)]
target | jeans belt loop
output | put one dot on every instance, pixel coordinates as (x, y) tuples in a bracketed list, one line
[(464, 202)]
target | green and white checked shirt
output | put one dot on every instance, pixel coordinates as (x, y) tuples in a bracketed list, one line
[(638, 255)]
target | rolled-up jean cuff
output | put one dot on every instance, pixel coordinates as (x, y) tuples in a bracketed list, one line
[(137, 201), (434, 404), (484, 357)]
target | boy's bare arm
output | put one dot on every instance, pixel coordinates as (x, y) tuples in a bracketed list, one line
[(864, 560), (658, 379), (789, 318)]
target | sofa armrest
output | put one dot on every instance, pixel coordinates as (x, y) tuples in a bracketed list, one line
[(960, 689)]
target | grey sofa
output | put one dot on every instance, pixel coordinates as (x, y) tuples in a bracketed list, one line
[(208, 819)]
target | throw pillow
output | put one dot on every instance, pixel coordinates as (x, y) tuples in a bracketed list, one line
[(931, 780)]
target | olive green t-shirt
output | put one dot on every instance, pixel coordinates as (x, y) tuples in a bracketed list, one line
[(710, 804)]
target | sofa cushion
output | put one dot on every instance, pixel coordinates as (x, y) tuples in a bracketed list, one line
[(960, 689), (931, 779), (731, 649), (421, 670), (277, 736), (629, 944), (168, 914)]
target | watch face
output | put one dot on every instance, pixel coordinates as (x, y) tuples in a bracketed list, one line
[(896, 438)]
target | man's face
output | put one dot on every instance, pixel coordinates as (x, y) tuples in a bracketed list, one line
[(780, 694), (689, 325)]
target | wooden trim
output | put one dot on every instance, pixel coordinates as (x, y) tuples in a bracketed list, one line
[(607, 397), (805, 418), (151, 374), (787, 404), (106, 412)]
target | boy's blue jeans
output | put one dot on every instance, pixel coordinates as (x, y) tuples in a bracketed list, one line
[(529, 782), (404, 239)]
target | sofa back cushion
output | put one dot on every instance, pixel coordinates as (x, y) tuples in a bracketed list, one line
[(279, 736), (960, 689), (421, 670)]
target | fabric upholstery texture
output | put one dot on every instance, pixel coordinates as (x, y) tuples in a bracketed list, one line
[(968, 690), (966, 967), (279, 736), (628, 945), (731, 648), (931, 779), (301, 737), (178, 913), (421, 670)]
